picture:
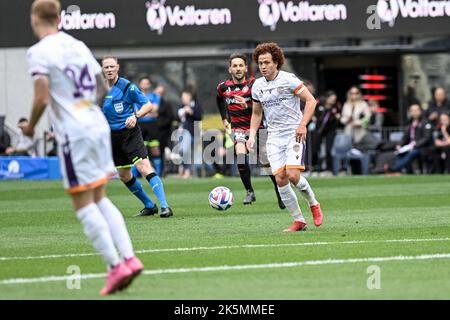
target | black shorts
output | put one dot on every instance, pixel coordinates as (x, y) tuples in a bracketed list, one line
[(128, 147), (150, 133), (240, 136)]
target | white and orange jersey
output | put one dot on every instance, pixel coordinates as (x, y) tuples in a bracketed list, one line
[(280, 101), (71, 69)]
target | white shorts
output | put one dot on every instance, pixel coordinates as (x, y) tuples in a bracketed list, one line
[(86, 163), (284, 152)]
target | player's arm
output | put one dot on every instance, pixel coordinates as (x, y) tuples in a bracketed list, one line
[(222, 110), (310, 106), (146, 108), (136, 96), (40, 101), (257, 114)]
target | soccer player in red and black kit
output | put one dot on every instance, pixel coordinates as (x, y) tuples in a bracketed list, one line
[(234, 100)]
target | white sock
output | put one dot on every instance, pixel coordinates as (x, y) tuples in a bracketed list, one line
[(96, 229), (117, 227), (306, 191), (289, 199)]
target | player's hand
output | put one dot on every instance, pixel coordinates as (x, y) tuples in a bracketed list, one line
[(251, 144), (131, 122), (226, 125), (28, 130), (241, 101), (300, 134)]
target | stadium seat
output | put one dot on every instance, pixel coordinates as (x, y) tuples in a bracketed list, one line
[(342, 151)]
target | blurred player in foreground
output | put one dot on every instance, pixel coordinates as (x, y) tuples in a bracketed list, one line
[(279, 93), (234, 100), (67, 77)]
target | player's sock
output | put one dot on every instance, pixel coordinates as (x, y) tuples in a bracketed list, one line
[(117, 227), (274, 181), (306, 191), (158, 189), (157, 164), (97, 230), (136, 188), (135, 172), (291, 202), (245, 174)]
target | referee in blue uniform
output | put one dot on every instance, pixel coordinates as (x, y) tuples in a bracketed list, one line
[(121, 108)]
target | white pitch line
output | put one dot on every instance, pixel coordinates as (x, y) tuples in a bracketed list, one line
[(243, 246), (236, 267)]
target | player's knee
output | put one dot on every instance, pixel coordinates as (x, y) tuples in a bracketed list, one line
[(125, 176), (144, 167), (293, 177)]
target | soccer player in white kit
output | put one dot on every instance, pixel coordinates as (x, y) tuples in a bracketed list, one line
[(278, 93), (66, 76)]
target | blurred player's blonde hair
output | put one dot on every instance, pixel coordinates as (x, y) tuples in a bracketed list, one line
[(48, 11)]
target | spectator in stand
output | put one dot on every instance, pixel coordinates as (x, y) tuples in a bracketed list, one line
[(24, 145), (51, 137), (417, 140), (165, 119), (441, 150), (355, 114), (5, 139), (376, 119), (409, 98), (189, 113), (327, 116), (437, 105)]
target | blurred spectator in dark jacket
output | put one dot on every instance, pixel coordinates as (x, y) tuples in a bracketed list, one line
[(417, 140), (376, 119), (5, 139), (327, 116), (441, 150), (437, 105), (189, 114), (409, 98), (165, 119), (24, 145)]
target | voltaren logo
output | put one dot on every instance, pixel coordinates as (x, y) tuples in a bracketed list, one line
[(388, 10), (75, 20), (158, 15), (271, 11)]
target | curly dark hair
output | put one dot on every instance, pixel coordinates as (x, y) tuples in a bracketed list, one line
[(273, 49)]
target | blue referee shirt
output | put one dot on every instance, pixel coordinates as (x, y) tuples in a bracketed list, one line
[(121, 102)]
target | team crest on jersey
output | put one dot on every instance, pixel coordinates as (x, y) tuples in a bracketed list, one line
[(118, 107), (280, 90), (296, 148), (245, 89)]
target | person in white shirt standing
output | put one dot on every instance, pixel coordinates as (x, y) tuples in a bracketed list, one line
[(68, 78), (278, 93)]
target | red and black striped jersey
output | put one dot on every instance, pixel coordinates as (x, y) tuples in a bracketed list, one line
[(238, 115)]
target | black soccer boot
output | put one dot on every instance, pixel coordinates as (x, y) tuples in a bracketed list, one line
[(166, 212), (148, 211)]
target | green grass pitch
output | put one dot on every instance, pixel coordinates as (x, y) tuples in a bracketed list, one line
[(404, 221)]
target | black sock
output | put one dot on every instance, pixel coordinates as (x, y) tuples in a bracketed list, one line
[(274, 181), (244, 172)]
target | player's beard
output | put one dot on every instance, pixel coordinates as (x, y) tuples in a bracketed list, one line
[(238, 79)]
